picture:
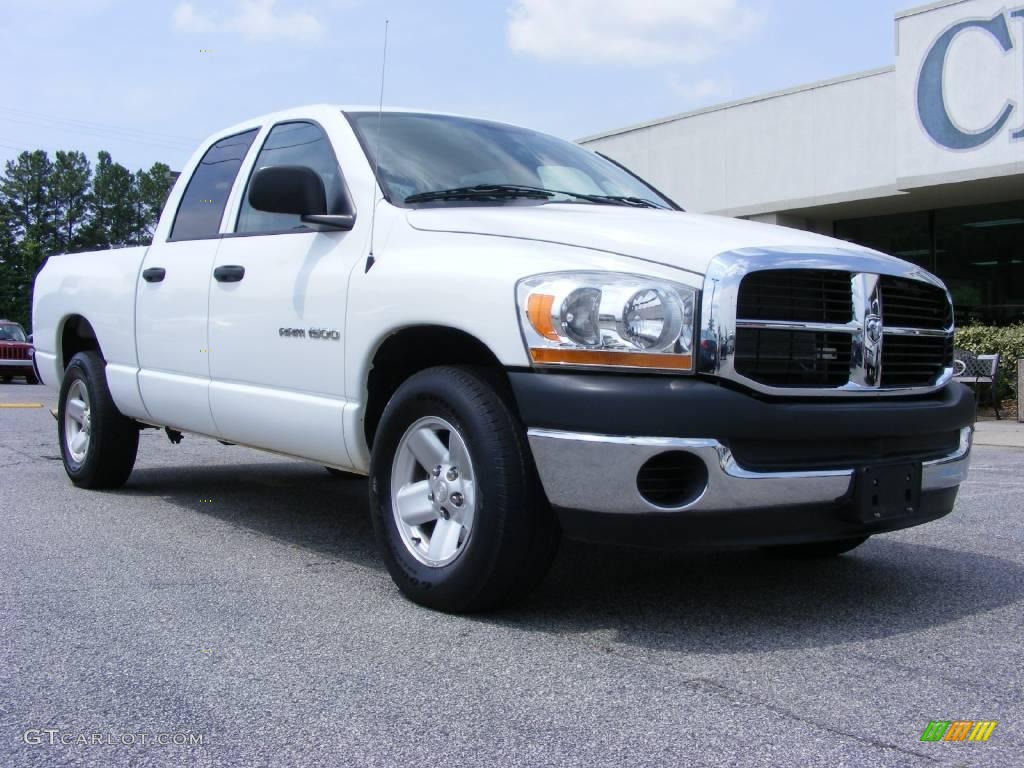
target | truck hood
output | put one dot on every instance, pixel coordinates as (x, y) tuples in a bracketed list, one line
[(684, 240)]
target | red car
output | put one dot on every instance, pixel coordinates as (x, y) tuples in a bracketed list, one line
[(15, 353)]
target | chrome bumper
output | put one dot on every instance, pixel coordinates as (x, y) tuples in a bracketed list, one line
[(598, 473)]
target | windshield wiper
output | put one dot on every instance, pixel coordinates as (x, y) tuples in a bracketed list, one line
[(483, 192), (638, 202), (512, 191)]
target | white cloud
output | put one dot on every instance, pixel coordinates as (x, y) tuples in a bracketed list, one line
[(186, 18), (255, 20), (699, 92), (634, 32)]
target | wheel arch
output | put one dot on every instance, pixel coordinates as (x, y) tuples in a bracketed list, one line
[(406, 351), (76, 335)]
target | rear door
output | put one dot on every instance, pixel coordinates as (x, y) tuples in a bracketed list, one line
[(173, 296), (277, 320)]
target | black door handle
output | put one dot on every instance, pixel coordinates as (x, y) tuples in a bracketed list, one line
[(154, 274), (230, 273)]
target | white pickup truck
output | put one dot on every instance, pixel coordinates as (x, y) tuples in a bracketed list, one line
[(515, 338)]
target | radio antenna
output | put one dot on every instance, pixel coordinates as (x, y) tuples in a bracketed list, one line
[(376, 154)]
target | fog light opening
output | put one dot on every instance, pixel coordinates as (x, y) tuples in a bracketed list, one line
[(672, 479)]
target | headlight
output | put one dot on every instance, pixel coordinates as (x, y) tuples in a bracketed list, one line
[(607, 319)]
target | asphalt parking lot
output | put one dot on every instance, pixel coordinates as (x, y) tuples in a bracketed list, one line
[(236, 595)]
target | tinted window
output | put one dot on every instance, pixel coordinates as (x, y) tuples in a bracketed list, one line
[(202, 205), (416, 153), (907, 235), (293, 144), (977, 250)]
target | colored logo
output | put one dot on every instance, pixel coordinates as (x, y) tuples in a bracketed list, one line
[(958, 730)]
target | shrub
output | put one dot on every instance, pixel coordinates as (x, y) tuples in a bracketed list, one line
[(1007, 341)]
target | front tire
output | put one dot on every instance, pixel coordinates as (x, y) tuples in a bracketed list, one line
[(98, 443), (458, 511)]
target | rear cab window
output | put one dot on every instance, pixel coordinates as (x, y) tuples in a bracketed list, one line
[(202, 206)]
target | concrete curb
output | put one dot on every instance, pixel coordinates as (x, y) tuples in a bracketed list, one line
[(1005, 433)]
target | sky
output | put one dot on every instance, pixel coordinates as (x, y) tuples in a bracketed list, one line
[(147, 80)]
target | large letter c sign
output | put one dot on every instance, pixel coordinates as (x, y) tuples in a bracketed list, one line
[(931, 101)]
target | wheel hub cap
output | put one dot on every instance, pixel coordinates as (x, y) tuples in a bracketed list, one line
[(77, 421), (433, 491)]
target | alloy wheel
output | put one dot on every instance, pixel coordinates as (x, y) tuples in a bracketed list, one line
[(433, 491)]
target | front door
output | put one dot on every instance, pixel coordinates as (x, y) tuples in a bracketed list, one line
[(277, 313)]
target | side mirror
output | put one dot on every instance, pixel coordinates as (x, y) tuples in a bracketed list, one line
[(297, 190), (30, 338)]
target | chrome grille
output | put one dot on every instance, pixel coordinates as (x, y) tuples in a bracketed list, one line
[(910, 361), (794, 358), (853, 323), (812, 296), (913, 304)]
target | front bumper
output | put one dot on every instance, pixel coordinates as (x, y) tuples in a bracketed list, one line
[(15, 367), (777, 471), (598, 473)]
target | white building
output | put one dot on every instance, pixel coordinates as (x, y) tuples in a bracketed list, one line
[(923, 159)]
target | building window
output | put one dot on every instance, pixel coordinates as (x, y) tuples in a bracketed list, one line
[(980, 255), (977, 250), (906, 235)]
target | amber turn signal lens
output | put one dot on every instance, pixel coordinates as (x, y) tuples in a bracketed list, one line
[(538, 310), (548, 356)]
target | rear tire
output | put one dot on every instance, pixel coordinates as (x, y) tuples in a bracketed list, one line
[(498, 534), (6, 379), (818, 549), (97, 442), (31, 379)]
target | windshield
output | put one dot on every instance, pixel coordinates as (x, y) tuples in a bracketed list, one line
[(421, 153), (11, 332)]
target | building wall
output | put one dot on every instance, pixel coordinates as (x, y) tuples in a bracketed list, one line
[(771, 153), (868, 136)]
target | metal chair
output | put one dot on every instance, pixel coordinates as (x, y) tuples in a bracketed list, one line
[(977, 370)]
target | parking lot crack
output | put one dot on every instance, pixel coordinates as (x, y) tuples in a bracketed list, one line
[(734, 694)]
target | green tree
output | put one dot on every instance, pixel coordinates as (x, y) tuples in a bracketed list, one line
[(64, 205), (8, 264), (30, 223), (152, 188), (25, 188), (111, 205), (69, 192)]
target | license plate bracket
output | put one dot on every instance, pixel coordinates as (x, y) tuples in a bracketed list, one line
[(883, 491)]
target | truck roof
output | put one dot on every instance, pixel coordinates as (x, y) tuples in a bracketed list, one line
[(312, 110)]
